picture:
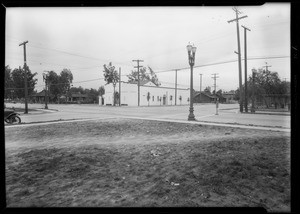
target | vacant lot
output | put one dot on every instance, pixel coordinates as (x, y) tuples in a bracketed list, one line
[(124, 162)]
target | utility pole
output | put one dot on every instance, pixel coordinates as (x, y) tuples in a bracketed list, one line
[(119, 86), (253, 91), (215, 84), (246, 87), (175, 87), (237, 12), (25, 77), (200, 85), (138, 67), (267, 66)]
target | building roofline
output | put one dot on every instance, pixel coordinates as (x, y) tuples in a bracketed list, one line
[(155, 86)]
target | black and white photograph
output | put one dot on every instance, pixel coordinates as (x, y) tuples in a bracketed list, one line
[(148, 106)]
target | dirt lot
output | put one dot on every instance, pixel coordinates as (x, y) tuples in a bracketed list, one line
[(126, 162)]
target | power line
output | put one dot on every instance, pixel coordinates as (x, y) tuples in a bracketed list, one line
[(58, 84), (224, 62)]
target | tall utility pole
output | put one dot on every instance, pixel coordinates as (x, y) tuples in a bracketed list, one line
[(138, 67), (119, 86), (246, 89), (237, 12), (267, 66), (200, 85), (254, 91), (25, 77), (175, 87), (215, 84)]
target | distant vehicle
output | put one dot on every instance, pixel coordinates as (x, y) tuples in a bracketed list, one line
[(11, 117)]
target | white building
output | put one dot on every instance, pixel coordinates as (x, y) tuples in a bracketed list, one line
[(150, 94)]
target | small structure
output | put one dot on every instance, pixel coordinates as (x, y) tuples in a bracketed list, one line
[(150, 94), (78, 97), (229, 96), (203, 98), (38, 97)]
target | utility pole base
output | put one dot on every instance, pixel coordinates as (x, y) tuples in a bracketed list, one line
[(191, 115), (241, 108)]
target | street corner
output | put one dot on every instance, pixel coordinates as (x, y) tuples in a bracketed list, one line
[(38, 111)]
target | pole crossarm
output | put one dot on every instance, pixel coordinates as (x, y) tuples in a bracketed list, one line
[(23, 43), (245, 28), (233, 20)]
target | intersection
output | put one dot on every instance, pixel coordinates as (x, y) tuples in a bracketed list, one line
[(205, 113)]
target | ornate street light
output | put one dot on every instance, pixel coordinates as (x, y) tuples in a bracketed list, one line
[(191, 54), (45, 78)]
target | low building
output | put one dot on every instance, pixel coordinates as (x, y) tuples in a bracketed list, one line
[(78, 97), (229, 96), (150, 95), (202, 97), (38, 97)]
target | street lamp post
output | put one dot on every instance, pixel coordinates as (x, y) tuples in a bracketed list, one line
[(191, 54), (45, 78)]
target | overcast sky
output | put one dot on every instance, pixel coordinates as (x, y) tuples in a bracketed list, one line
[(83, 39)]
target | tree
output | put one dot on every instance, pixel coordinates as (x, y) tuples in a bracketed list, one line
[(93, 95), (8, 83), (154, 78), (54, 86), (65, 80), (18, 79), (266, 83), (101, 92), (75, 90), (116, 97), (207, 90), (133, 76), (219, 92), (111, 76)]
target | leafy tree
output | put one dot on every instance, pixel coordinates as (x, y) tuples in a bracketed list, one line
[(93, 95), (65, 80), (116, 97), (8, 83), (54, 86), (111, 76), (18, 79), (133, 76), (266, 83), (207, 90), (101, 92), (75, 90), (219, 92), (154, 78)]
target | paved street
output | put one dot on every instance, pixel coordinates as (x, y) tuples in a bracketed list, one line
[(227, 114)]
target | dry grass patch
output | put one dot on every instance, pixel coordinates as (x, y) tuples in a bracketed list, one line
[(146, 163)]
